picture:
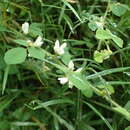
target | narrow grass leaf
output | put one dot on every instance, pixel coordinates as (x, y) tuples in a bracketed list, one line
[(5, 78), (72, 9), (6, 100), (53, 102), (106, 72), (100, 115)]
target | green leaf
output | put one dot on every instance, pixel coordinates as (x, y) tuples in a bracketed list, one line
[(122, 111), (79, 81), (118, 9), (37, 53), (93, 26), (107, 72), (21, 42), (4, 124), (5, 78), (102, 55), (2, 63), (15, 56), (100, 115), (128, 128), (69, 22), (53, 102), (72, 9), (35, 29), (127, 106), (3, 29), (107, 88), (66, 57), (98, 57), (103, 34), (6, 100), (106, 34), (118, 41)]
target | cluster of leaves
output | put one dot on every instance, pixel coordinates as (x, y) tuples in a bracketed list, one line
[(97, 36)]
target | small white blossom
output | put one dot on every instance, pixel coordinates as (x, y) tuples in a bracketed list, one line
[(63, 80), (59, 49), (25, 27), (99, 24), (71, 65), (38, 42)]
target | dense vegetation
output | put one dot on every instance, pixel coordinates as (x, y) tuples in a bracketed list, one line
[(64, 64)]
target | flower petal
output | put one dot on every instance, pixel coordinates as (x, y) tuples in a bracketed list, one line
[(71, 65), (57, 46), (59, 49), (25, 27), (63, 45), (63, 80), (38, 41)]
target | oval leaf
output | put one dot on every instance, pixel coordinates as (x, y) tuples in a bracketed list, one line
[(103, 34), (118, 41), (21, 42), (15, 55), (37, 53), (35, 29), (81, 83), (118, 9), (92, 26)]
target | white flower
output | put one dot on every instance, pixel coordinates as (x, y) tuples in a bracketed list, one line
[(38, 42), (63, 80), (25, 27), (99, 24), (71, 65), (59, 49)]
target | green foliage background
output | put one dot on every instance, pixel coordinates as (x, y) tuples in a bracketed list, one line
[(31, 96)]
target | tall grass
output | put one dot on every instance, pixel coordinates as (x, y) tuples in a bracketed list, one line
[(96, 33)]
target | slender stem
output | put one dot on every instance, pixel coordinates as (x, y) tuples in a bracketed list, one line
[(104, 18)]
